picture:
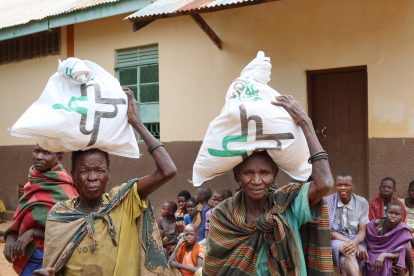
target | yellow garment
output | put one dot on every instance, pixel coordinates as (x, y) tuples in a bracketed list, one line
[(410, 213), (2, 207), (109, 260)]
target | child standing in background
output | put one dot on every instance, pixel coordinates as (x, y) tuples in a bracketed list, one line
[(227, 194), (167, 226), (202, 197), (182, 198), (218, 196), (191, 204)]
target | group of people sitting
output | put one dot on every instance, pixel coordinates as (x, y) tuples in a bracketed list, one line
[(376, 237), (188, 227)]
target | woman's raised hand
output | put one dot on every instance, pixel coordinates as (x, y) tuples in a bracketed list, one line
[(292, 107), (133, 105)]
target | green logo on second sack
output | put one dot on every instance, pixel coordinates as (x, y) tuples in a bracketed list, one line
[(249, 92)]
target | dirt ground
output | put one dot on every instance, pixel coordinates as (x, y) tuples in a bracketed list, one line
[(6, 269)]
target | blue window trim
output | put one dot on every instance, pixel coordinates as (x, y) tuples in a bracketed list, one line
[(88, 14)]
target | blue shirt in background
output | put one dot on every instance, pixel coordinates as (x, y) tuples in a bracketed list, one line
[(188, 219)]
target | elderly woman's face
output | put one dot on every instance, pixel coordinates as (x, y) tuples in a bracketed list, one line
[(91, 175), (44, 160), (255, 176)]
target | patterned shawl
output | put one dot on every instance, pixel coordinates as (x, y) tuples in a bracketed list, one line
[(392, 242), (376, 208), (233, 246), (67, 227), (41, 193)]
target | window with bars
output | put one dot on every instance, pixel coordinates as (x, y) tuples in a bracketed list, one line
[(137, 69), (30, 46)]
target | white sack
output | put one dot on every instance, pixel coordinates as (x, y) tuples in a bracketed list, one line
[(249, 122), (81, 107)]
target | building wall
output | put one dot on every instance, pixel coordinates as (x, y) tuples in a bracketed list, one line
[(297, 35)]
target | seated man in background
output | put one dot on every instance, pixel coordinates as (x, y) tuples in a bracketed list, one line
[(348, 215), (378, 205), (388, 242)]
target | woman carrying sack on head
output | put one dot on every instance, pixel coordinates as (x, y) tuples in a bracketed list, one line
[(108, 234)]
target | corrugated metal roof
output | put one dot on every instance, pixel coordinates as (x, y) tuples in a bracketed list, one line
[(178, 6), (17, 12)]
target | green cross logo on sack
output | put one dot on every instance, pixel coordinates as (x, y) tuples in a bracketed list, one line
[(97, 114), (243, 137)]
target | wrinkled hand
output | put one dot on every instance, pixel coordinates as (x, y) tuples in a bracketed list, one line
[(133, 106), (363, 254), (44, 272), (379, 261), (173, 264), (292, 107), (8, 248), (22, 241), (350, 247)]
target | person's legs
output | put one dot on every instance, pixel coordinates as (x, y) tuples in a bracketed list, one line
[(342, 264), (400, 272), (349, 264), (2, 217), (409, 259), (33, 264)]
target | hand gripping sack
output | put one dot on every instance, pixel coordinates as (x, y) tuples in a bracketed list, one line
[(81, 107), (249, 122)]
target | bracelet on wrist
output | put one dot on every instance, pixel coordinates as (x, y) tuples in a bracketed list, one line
[(317, 156), (154, 145)]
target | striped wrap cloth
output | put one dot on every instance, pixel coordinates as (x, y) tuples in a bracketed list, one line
[(41, 193), (233, 246)]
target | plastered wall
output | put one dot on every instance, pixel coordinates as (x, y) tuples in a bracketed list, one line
[(21, 84), (297, 35)]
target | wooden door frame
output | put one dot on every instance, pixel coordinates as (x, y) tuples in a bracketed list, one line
[(310, 73)]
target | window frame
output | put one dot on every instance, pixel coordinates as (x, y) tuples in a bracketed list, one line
[(138, 84), (31, 46)]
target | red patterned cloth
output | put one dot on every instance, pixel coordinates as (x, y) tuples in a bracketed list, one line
[(41, 193), (376, 208)]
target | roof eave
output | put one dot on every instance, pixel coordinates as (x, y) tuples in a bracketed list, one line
[(200, 10)]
